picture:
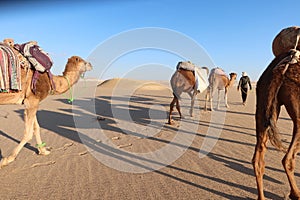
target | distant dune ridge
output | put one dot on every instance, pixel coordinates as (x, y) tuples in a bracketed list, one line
[(140, 84)]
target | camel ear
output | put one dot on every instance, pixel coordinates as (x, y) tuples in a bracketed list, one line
[(72, 59)]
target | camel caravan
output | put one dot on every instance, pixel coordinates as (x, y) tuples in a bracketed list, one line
[(26, 79), (279, 85), (194, 80)]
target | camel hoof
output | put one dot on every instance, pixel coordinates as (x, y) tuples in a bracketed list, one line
[(43, 151), (3, 162), (294, 196), (170, 121), (191, 113)]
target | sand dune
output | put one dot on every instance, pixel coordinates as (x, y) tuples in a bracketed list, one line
[(140, 84), (133, 153)]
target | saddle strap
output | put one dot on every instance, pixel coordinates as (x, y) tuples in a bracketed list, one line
[(36, 77)]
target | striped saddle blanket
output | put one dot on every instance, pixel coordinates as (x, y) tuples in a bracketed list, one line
[(10, 71)]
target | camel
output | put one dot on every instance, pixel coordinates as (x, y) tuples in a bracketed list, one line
[(183, 81), (74, 68), (279, 85), (218, 81)]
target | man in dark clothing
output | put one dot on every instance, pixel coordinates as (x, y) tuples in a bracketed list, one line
[(243, 84)]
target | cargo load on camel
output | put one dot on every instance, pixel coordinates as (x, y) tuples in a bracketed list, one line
[(286, 40), (200, 75), (13, 57), (10, 72), (39, 59)]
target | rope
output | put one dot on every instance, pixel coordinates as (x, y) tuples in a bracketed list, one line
[(40, 145), (297, 39)]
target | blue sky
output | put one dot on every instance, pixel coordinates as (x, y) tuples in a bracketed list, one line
[(237, 35)]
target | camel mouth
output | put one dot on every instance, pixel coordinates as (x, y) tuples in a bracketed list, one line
[(88, 66)]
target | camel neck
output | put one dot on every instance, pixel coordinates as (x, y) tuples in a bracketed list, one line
[(231, 81), (65, 82)]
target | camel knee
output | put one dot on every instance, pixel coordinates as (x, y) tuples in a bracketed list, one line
[(288, 163), (258, 166)]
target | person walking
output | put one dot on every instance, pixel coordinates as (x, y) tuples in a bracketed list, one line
[(243, 84)]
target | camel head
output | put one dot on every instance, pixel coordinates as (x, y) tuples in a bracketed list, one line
[(233, 76), (232, 79), (10, 42), (77, 64)]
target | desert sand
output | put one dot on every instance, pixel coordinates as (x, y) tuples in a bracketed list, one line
[(92, 158)]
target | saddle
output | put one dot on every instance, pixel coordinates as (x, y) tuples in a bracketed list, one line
[(186, 66), (39, 59)]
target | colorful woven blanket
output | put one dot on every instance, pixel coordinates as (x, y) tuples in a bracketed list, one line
[(10, 71)]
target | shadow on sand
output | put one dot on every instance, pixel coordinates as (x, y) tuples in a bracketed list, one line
[(62, 123)]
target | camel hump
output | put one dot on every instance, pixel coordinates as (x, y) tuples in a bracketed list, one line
[(218, 71), (285, 40)]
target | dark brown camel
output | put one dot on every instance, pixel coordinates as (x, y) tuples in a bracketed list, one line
[(278, 85), (183, 81), (74, 68)]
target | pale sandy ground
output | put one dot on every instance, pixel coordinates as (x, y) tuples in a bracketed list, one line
[(71, 171)]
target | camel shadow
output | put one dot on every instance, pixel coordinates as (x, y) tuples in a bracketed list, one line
[(238, 165), (62, 123), (27, 145)]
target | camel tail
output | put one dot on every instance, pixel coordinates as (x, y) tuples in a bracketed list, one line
[(274, 135), (177, 96), (272, 111)]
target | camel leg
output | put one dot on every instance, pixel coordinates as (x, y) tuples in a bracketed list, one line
[(211, 100), (258, 160), (193, 96), (218, 102), (178, 108), (206, 100), (29, 115), (171, 109), (225, 98), (289, 161), (40, 145)]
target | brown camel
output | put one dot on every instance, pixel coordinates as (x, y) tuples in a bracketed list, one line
[(74, 68), (183, 81), (278, 85), (218, 81)]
